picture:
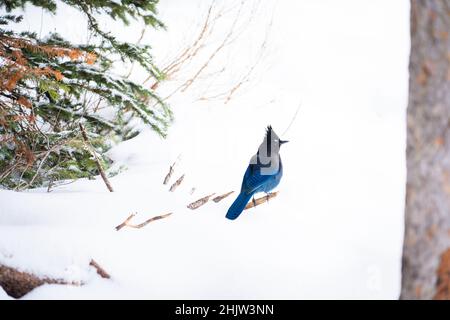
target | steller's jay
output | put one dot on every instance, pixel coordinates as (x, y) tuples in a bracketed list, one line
[(263, 173)]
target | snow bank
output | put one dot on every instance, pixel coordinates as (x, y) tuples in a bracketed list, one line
[(334, 231)]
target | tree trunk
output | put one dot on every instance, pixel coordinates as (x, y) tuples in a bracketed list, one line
[(426, 250)]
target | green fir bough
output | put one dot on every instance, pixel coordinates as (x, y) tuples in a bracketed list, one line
[(50, 85)]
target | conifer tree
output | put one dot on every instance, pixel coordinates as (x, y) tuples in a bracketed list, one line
[(49, 86)]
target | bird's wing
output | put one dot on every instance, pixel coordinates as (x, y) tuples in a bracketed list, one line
[(253, 179)]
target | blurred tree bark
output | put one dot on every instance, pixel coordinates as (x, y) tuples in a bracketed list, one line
[(426, 251)]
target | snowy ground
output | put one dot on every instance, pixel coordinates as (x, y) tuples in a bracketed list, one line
[(334, 231)]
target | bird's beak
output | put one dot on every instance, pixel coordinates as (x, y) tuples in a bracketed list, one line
[(283, 141)]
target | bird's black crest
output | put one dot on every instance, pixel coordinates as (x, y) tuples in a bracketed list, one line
[(269, 132), (269, 140)]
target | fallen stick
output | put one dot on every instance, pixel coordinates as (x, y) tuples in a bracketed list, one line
[(126, 223), (123, 224), (261, 200), (176, 183), (196, 204), (223, 196), (100, 271), (143, 224), (97, 161)]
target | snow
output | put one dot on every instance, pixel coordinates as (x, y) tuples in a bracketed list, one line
[(3, 295), (334, 231)]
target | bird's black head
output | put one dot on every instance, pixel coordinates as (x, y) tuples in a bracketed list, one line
[(272, 139)]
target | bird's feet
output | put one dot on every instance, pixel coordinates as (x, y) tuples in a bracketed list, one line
[(254, 201), (267, 197)]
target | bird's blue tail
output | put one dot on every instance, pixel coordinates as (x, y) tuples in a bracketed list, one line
[(238, 205)]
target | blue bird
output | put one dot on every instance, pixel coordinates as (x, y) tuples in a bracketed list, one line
[(263, 173)]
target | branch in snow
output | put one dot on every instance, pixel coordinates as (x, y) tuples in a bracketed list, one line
[(126, 223), (17, 283), (169, 174), (221, 197), (100, 271), (196, 204), (176, 183)]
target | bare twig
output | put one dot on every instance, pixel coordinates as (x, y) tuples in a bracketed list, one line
[(189, 82), (100, 271), (143, 224), (261, 200), (45, 156), (39, 168), (200, 52), (191, 51), (169, 174), (176, 183), (8, 170), (50, 185), (223, 196), (246, 78), (196, 204), (293, 119), (126, 223), (97, 161), (123, 224), (138, 42)]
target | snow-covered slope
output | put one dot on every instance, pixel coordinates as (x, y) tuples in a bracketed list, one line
[(335, 229)]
